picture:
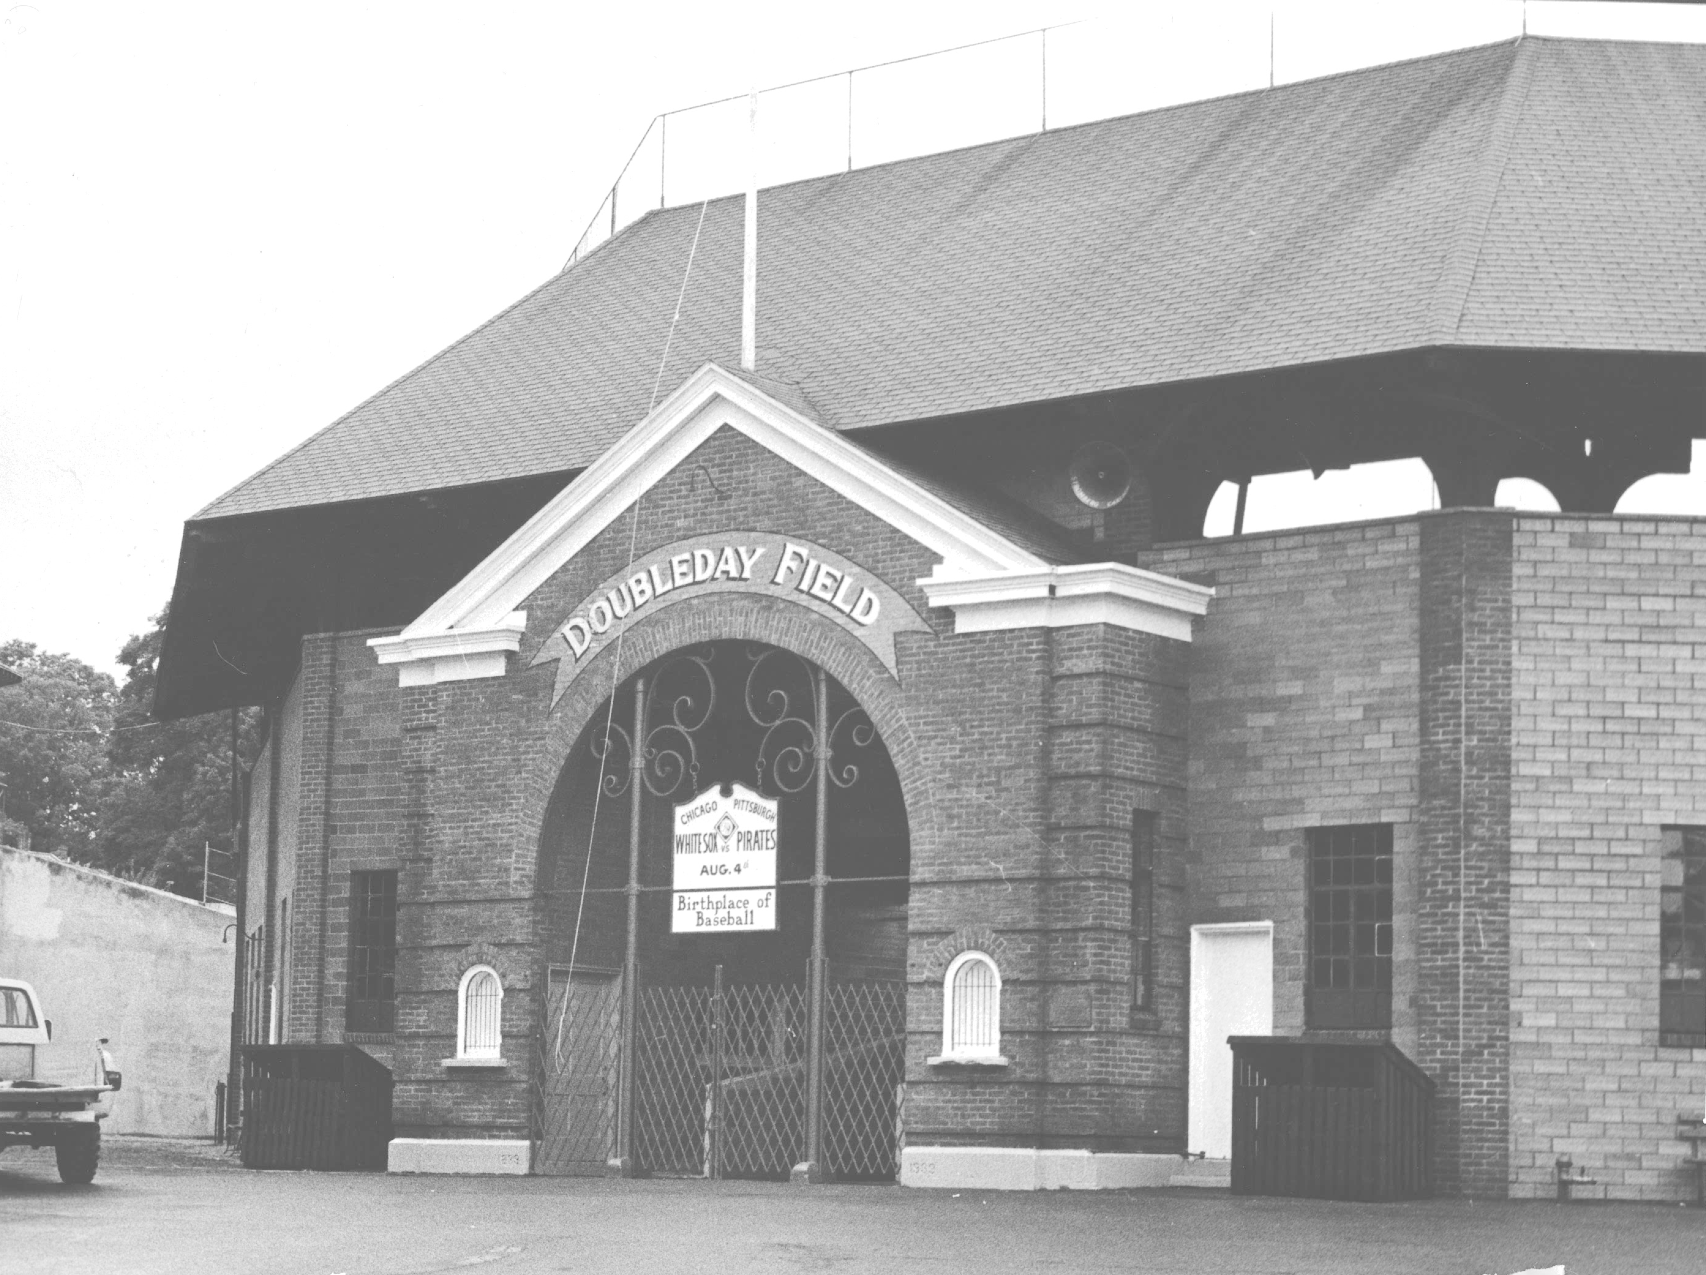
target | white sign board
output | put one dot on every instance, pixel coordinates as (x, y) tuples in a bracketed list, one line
[(725, 862)]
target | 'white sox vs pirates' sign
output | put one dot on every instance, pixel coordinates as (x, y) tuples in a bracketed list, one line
[(725, 862)]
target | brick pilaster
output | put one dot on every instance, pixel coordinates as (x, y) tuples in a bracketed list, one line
[(1116, 742), (1463, 916), (419, 711), (313, 830)]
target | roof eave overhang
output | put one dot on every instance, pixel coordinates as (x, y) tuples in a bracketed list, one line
[(469, 632)]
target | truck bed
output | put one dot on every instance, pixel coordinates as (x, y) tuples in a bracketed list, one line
[(18, 1095)]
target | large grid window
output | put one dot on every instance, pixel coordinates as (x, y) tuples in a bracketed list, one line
[(1143, 909), (1350, 927), (373, 952), (1682, 937)]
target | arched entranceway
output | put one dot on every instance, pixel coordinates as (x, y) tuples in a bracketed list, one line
[(738, 1012)]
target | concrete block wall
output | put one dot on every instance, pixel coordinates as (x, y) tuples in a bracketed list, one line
[(1609, 744), (1303, 713), (147, 969)]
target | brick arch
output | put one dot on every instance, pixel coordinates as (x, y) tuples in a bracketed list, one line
[(509, 968), (774, 621), (971, 939)]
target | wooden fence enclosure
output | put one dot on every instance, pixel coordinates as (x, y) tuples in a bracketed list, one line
[(1329, 1120), (314, 1107)]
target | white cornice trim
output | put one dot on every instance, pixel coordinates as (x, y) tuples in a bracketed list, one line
[(456, 656), (1057, 597), (475, 608)]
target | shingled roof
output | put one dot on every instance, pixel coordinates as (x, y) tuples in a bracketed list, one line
[(1539, 194)]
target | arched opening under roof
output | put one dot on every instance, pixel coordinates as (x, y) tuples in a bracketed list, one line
[(1670, 493), (1277, 502), (1527, 495)]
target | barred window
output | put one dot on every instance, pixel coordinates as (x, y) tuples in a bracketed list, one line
[(372, 1005), (1143, 909), (1682, 937), (479, 1015), (1350, 927), (971, 1010)]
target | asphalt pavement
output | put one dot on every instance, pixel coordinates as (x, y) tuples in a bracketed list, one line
[(160, 1206)]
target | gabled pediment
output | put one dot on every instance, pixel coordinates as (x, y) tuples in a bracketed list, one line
[(469, 631)]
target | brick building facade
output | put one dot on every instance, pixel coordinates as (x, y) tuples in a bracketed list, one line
[(1081, 792)]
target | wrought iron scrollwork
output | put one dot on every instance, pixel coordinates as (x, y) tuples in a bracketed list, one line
[(790, 751), (615, 778), (684, 694), (861, 732), (780, 698)]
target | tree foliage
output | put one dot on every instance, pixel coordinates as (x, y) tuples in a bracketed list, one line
[(53, 732), (98, 780), (170, 791)]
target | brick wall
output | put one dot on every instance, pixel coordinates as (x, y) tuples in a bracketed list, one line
[(288, 740), (1609, 656), (1515, 694), (1019, 755), (1084, 725), (1464, 834), (1118, 719), (350, 813), (969, 729), (273, 807)]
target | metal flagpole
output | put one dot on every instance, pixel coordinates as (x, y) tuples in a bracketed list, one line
[(812, 1169), (623, 1164)]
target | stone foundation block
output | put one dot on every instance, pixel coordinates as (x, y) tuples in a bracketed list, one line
[(458, 1155), (1032, 1169)]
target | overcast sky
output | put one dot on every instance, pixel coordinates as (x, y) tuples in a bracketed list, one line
[(223, 225)]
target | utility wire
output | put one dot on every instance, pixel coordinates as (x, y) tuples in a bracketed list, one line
[(79, 730), (616, 659)]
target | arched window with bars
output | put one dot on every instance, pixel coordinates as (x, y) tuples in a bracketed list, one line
[(971, 1011), (479, 1014)]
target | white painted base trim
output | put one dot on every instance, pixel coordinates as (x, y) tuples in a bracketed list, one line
[(1208, 1175), (1031, 1169), (458, 1155)]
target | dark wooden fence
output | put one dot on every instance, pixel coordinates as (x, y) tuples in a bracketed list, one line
[(1329, 1120), (314, 1107)]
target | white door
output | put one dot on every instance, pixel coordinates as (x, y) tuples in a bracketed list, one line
[(1232, 994)]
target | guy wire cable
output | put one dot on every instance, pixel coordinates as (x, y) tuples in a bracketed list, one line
[(616, 663)]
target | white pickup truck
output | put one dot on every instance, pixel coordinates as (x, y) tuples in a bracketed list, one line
[(38, 1113)]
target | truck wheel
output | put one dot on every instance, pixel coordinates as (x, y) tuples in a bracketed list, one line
[(78, 1155)]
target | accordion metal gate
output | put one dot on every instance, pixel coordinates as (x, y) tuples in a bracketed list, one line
[(720, 1079), (790, 1070), (575, 1076)]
